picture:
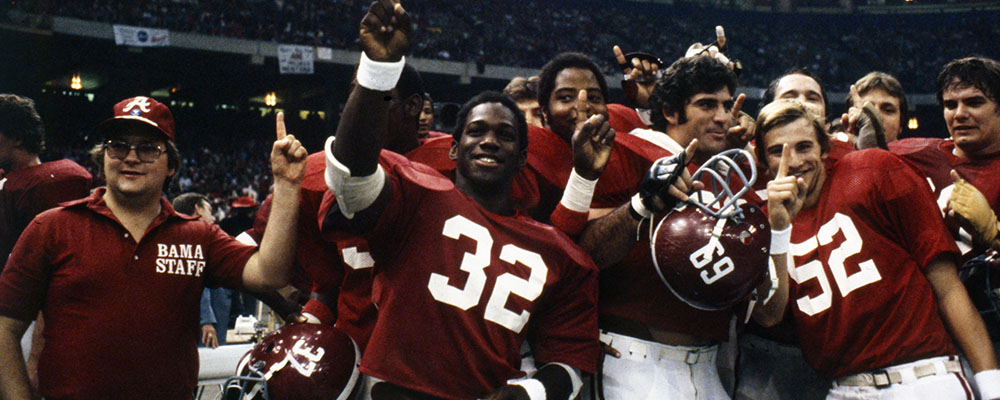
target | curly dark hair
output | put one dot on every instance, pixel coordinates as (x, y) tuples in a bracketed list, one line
[(685, 78)]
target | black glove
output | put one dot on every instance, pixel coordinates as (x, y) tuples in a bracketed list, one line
[(658, 180)]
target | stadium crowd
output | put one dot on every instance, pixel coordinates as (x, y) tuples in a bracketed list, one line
[(517, 32), (555, 245)]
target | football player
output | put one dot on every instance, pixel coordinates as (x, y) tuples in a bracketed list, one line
[(119, 274), (868, 271), (661, 346), (962, 169), (439, 333)]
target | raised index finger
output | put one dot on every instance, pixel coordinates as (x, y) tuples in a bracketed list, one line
[(279, 125), (620, 56), (689, 151), (738, 105), (581, 106), (786, 154)]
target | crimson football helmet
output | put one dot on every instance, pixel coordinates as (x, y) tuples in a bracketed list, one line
[(981, 276), (712, 251), (300, 362)]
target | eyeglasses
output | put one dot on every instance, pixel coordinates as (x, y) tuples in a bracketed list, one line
[(147, 152)]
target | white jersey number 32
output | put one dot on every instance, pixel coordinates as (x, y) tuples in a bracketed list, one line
[(474, 264), (846, 284)]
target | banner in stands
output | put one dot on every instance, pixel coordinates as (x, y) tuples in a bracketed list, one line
[(295, 59), (138, 36)]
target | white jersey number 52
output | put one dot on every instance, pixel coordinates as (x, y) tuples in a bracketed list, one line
[(814, 269), (474, 264)]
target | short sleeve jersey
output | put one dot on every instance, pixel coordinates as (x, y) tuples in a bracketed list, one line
[(459, 289), (935, 158), (121, 318), (857, 289), (26, 192), (632, 289)]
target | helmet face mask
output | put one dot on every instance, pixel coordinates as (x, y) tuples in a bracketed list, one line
[(298, 361), (712, 251)]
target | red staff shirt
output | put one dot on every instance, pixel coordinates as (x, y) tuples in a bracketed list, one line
[(121, 318)]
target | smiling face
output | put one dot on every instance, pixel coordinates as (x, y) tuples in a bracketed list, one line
[(972, 119), (806, 159), (561, 109), (489, 152), (707, 120), (131, 177)]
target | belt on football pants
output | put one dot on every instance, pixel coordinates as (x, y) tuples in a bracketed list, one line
[(637, 349), (904, 373)]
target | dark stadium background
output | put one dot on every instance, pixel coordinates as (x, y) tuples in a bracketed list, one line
[(225, 129)]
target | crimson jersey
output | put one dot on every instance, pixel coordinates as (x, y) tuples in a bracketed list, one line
[(857, 289), (624, 119), (935, 159), (121, 318), (632, 289), (459, 289), (26, 192)]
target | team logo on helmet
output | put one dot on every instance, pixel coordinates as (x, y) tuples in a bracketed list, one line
[(712, 251), (298, 361)]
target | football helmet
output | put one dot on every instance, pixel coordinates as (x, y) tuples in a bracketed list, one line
[(712, 251), (300, 362), (981, 276)]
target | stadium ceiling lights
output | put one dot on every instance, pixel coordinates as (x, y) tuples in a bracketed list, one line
[(81, 81)]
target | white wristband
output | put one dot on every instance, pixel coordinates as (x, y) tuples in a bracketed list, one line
[(989, 383), (781, 240), (639, 208), (534, 387), (377, 75), (579, 192)]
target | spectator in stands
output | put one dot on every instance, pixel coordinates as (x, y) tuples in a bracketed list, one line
[(122, 297)]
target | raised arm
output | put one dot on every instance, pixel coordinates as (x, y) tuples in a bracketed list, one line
[(268, 268), (612, 232), (352, 171), (785, 196)]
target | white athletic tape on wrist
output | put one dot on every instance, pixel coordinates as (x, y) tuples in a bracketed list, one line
[(574, 378), (640, 209), (354, 193), (311, 319), (579, 192), (377, 75), (534, 387), (781, 240), (989, 383), (246, 239), (772, 272)]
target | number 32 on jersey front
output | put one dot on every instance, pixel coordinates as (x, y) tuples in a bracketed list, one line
[(474, 264)]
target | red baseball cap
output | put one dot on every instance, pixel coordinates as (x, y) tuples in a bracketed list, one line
[(244, 202), (141, 109)]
